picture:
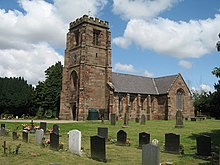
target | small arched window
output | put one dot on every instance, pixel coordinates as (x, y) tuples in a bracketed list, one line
[(179, 99)]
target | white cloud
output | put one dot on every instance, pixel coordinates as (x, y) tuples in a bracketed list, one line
[(203, 88), (148, 74), (185, 64), (178, 39), (125, 67), (144, 9), (28, 39)]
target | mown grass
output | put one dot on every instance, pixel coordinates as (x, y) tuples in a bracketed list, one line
[(31, 154)]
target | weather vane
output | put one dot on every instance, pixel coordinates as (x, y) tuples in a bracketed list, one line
[(89, 13), (218, 44)]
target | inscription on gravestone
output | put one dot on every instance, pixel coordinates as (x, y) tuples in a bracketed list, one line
[(121, 137), (98, 148), (144, 138), (54, 141), (103, 132), (172, 143), (203, 143), (150, 154)]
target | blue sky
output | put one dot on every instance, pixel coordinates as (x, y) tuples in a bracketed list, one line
[(149, 37)]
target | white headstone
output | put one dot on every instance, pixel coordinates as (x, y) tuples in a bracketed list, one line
[(39, 136), (75, 142)]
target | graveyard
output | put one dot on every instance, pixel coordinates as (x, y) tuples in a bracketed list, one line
[(123, 149)]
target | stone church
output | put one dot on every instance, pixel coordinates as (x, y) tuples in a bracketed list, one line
[(88, 81)]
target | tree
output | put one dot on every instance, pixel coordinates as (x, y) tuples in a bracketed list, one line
[(15, 96), (47, 93)]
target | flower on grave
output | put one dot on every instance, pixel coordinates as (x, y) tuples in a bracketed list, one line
[(36, 127), (47, 141), (155, 142)]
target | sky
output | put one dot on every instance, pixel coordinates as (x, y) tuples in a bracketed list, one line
[(150, 38)]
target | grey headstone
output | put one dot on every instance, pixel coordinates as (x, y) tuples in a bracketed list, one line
[(98, 148), (54, 141), (39, 136), (43, 125), (121, 137), (144, 138), (150, 154), (179, 119), (14, 135), (103, 132), (143, 119), (172, 143), (126, 119), (113, 119), (56, 129), (25, 136), (2, 131), (203, 143), (75, 142)]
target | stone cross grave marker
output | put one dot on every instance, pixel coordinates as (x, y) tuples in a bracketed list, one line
[(75, 142), (144, 138), (14, 135), (203, 143), (25, 136), (56, 129), (121, 137), (113, 119), (143, 119), (150, 154), (39, 136), (54, 141), (172, 143), (102, 131), (179, 119), (43, 125), (98, 148)]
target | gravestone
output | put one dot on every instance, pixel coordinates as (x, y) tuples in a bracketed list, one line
[(56, 129), (126, 119), (172, 143), (54, 141), (98, 148), (144, 138), (43, 125), (75, 142), (203, 143), (150, 154), (103, 132), (39, 136), (143, 119), (3, 126), (113, 119), (25, 136), (179, 119), (14, 135), (121, 137), (2, 131)]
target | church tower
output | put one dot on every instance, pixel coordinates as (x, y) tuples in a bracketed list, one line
[(87, 69)]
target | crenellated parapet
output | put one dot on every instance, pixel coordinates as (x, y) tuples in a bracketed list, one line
[(91, 20)]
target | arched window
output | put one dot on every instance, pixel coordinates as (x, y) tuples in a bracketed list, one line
[(74, 83), (179, 99)]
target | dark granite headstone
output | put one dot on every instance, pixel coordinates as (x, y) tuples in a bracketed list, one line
[(25, 136), (54, 141), (113, 119), (143, 119), (144, 138), (203, 143), (150, 154), (98, 148), (179, 119), (2, 125), (43, 125), (121, 137), (137, 119), (14, 135), (172, 143), (103, 132), (56, 129)]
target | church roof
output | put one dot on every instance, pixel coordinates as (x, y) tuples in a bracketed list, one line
[(125, 83)]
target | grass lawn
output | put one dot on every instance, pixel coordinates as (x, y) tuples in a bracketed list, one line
[(31, 154)]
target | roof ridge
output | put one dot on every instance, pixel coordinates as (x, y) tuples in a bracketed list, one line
[(155, 86)]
